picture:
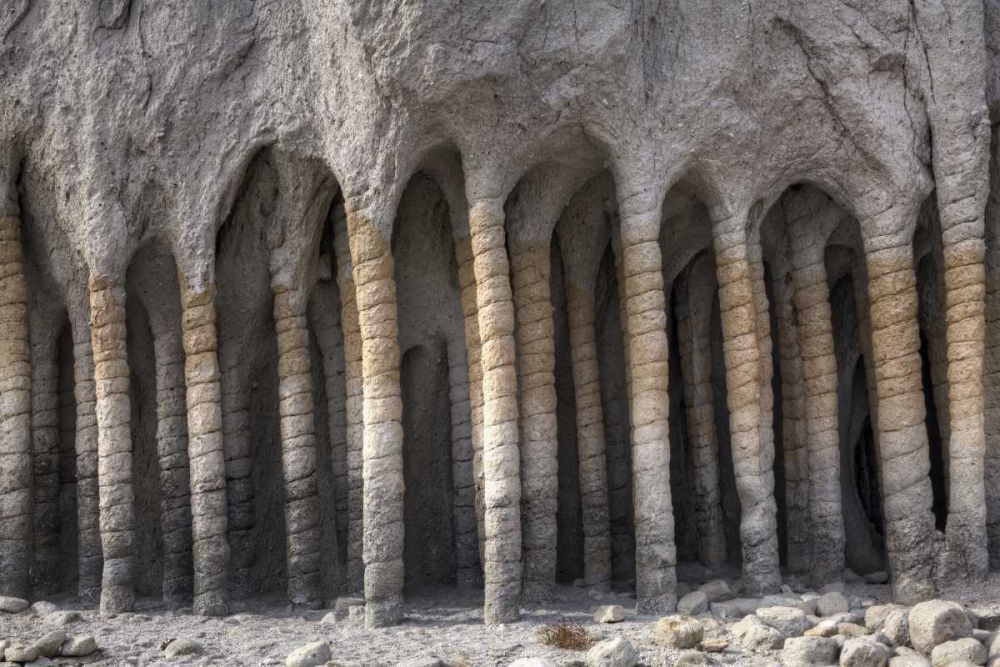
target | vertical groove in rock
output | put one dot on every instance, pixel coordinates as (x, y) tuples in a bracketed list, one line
[(738, 303), (591, 445), (354, 403), (537, 411), (375, 284), (501, 457), (819, 372), (209, 505), (794, 434), (467, 565), (298, 450), (473, 351), (114, 442), (694, 309), (15, 414), (45, 451), (324, 318), (172, 451), (648, 378), (87, 493), (904, 458)]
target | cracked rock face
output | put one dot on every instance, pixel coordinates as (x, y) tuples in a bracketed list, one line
[(293, 293)]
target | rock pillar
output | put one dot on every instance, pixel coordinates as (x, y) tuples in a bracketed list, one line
[(375, 285), (902, 433), (501, 457), (647, 356), (537, 410), (819, 371), (752, 457), (469, 569), (354, 417), (114, 444), (172, 451), (694, 311), (15, 414), (298, 450), (209, 517), (87, 492)]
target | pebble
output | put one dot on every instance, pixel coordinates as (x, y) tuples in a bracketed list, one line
[(50, 644), (609, 614), (616, 652), (11, 605), (310, 655), (180, 647), (78, 646), (43, 608)]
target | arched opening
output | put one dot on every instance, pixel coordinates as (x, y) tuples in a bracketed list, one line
[(431, 331)]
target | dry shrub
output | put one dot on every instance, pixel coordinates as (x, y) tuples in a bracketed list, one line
[(570, 636)]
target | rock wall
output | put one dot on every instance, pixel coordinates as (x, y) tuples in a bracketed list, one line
[(292, 294)]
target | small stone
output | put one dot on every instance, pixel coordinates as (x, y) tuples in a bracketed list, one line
[(755, 636), (677, 632), (716, 590), (833, 587), (879, 577), (780, 601), (789, 621), (982, 636), (936, 622), (714, 645), (735, 608), (897, 627), (851, 630), (40, 661), (863, 652), (823, 629), (63, 617), (20, 653), (692, 659), (831, 603), (616, 652), (425, 661), (180, 647), (43, 608), (809, 651), (959, 650), (13, 605), (909, 661), (345, 603), (329, 618), (612, 613), (310, 655), (50, 644), (875, 615), (78, 646), (693, 604)]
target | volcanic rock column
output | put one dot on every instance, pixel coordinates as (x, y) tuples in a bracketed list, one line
[(473, 351), (905, 462), (590, 436), (325, 321), (469, 570), (45, 448), (795, 439), (751, 460), (209, 511), (241, 513), (114, 443), (501, 457), (648, 376), (298, 449), (537, 410), (87, 493), (374, 275), (355, 401), (172, 451), (694, 310), (15, 413), (819, 370)]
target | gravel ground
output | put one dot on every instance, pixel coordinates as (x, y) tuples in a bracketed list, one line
[(446, 624)]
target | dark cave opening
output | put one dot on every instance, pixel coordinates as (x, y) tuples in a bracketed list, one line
[(935, 443)]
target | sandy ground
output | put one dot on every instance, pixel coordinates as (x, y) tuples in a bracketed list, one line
[(446, 623)]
